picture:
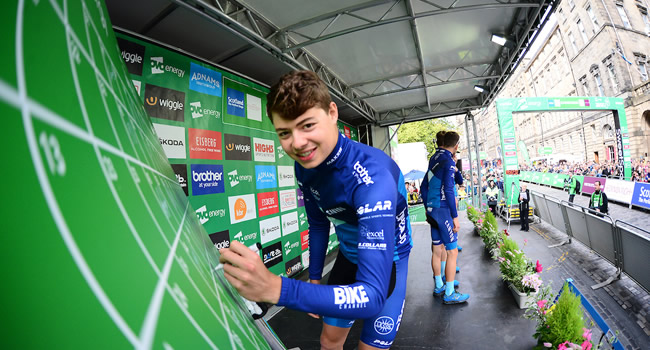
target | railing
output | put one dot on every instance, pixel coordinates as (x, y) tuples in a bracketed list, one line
[(625, 246)]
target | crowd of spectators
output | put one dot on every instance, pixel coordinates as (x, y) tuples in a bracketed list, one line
[(640, 169)]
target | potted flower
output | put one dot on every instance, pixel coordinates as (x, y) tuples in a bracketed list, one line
[(490, 234), (518, 272), (561, 325)]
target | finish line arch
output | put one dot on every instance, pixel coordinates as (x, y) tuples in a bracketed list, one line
[(507, 106)]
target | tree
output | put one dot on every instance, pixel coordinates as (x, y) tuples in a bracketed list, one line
[(423, 131)]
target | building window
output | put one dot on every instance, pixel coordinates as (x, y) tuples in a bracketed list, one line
[(581, 28), (621, 12), (612, 77), (593, 130), (572, 40), (644, 16), (571, 4), (592, 17), (641, 61), (608, 132), (599, 84), (585, 86)]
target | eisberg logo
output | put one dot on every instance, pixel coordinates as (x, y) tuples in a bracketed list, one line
[(362, 174), (132, 54), (204, 215), (205, 80), (267, 203), (265, 176), (350, 297), (235, 103), (207, 179), (158, 66), (204, 144), (386, 205), (164, 103), (172, 140), (304, 239)]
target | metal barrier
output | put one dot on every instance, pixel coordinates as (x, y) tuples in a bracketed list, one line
[(625, 246)]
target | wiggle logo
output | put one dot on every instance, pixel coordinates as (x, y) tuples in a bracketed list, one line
[(240, 209), (152, 100), (230, 147)]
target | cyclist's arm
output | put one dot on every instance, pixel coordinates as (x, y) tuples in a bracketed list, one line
[(448, 182)]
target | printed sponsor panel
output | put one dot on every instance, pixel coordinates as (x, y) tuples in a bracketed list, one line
[(211, 212), (288, 200), (253, 107), (641, 195), (163, 103), (220, 239), (235, 103), (304, 239), (180, 170), (291, 245), (200, 109), (204, 144), (588, 184), (237, 147), (239, 177), (205, 80), (272, 255), (246, 234), (267, 203), (242, 208), (245, 106), (305, 258), (207, 179), (265, 177), (270, 229), (301, 197), (167, 67), (172, 140), (293, 266), (132, 55), (289, 223), (286, 176), (264, 150), (619, 190)]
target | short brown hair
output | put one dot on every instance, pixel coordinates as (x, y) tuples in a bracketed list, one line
[(451, 139), (295, 93), (440, 138)]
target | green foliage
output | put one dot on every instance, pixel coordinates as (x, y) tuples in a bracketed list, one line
[(490, 232), (564, 322), (514, 265), (472, 215), (423, 131)]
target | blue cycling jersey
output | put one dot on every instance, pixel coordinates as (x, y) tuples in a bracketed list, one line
[(361, 191), (437, 189)]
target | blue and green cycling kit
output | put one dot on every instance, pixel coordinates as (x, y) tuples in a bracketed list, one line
[(437, 189), (361, 191)]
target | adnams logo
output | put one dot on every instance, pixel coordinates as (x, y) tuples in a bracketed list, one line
[(198, 111), (205, 80), (265, 176), (158, 66)]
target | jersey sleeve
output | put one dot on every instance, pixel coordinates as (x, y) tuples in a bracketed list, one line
[(458, 177), (448, 182), (319, 231), (375, 200)]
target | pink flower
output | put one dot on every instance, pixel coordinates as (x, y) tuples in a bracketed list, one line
[(586, 345), (501, 259), (541, 303), (548, 345), (525, 241), (538, 267), (586, 334), (563, 346), (506, 232)]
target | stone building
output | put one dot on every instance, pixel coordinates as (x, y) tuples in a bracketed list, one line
[(583, 54)]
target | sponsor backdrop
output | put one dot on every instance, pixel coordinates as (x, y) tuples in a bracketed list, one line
[(628, 192), (213, 127), (106, 250)]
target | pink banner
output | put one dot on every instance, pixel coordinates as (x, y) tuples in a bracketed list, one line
[(588, 186)]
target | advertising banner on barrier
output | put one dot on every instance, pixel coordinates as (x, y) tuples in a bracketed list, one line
[(588, 184), (641, 195), (619, 190)]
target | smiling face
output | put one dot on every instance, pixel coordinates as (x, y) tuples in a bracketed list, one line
[(310, 137)]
